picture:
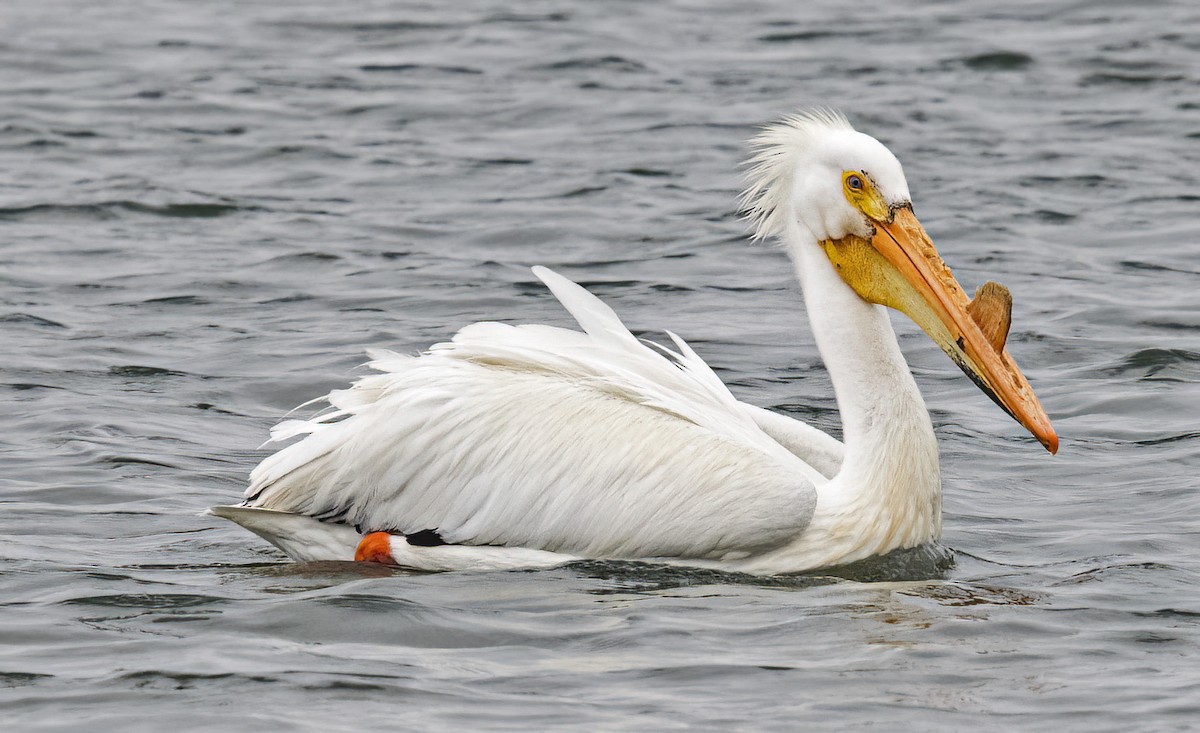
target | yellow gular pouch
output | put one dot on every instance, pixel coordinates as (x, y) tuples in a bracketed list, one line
[(897, 266), (876, 280), (865, 269)]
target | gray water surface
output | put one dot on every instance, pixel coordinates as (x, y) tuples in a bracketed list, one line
[(209, 210)]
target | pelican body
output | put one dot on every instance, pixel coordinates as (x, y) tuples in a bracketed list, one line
[(520, 446)]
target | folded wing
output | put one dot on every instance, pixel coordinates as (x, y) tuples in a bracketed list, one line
[(587, 443)]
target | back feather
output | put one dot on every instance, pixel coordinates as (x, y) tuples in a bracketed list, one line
[(431, 442)]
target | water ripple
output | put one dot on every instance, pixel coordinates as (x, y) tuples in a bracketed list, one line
[(211, 209)]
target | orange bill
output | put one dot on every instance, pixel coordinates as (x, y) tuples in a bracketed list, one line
[(898, 267)]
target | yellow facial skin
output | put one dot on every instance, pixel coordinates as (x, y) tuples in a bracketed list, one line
[(863, 195), (898, 267)]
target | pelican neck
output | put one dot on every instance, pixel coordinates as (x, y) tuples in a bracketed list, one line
[(884, 419)]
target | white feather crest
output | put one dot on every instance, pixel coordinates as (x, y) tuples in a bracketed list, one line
[(773, 159)]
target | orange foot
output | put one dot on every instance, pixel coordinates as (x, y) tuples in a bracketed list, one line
[(375, 547)]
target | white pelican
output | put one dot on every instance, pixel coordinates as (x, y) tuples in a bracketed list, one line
[(519, 446)]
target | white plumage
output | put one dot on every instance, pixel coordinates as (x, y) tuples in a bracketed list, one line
[(532, 445), (533, 436)]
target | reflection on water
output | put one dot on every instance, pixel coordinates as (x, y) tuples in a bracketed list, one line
[(971, 594), (926, 562), (624, 576), (292, 577), (920, 572)]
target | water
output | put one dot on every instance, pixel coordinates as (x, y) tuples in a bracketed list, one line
[(210, 209)]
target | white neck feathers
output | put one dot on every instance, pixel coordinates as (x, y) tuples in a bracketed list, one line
[(887, 494)]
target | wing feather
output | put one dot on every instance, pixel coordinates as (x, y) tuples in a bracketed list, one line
[(589, 443)]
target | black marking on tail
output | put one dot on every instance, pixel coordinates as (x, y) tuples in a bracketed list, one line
[(425, 538)]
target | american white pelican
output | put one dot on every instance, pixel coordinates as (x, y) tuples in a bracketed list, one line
[(517, 446)]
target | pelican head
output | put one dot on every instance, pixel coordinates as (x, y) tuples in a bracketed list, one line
[(817, 181)]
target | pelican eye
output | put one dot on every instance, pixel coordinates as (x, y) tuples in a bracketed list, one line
[(862, 194)]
